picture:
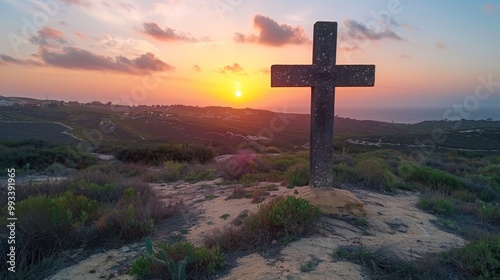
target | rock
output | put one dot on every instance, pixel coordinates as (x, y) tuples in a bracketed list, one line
[(334, 201)]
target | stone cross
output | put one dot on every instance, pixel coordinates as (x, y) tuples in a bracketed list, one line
[(322, 76)]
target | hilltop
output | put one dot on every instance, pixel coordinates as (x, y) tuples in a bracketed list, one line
[(224, 128)]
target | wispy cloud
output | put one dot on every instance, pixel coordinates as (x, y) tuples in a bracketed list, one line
[(358, 31), (272, 33), (48, 36), (81, 35), (7, 59), (83, 3), (197, 68), (235, 69), (354, 34), (167, 34), (441, 45), (489, 8), (76, 58), (53, 50), (126, 45), (405, 56)]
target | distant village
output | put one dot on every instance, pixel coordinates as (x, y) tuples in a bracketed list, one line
[(133, 111)]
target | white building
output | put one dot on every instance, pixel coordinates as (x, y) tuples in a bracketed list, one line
[(6, 103)]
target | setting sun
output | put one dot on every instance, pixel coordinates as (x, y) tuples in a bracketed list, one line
[(238, 93)]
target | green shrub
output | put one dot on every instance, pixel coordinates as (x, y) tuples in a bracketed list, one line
[(193, 177), (293, 215), (283, 218), (343, 173), (297, 175), (464, 195), (437, 204), (108, 192), (480, 259), (173, 170), (40, 155), (195, 262), (271, 150), (54, 215), (493, 174), (429, 177), (159, 153), (133, 215), (374, 173), (141, 267), (310, 265), (490, 212)]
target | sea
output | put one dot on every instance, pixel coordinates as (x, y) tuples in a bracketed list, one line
[(409, 115)]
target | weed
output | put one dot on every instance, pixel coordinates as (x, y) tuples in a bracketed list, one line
[(224, 216), (258, 194), (297, 175), (490, 212), (241, 217), (361, 222), (383, 264), (240, 192), (173, 170), (310, 265), (211, 196)]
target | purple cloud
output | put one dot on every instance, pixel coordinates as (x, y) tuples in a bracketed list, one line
[(235, 69), (354, 30), (48, 36), (76, 58), (272, 33), (168, 34), (7, 59)]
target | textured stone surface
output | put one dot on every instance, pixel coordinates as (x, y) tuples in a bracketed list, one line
[(323, 76)]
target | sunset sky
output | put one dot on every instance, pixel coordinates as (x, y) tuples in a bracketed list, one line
[(219, 52)]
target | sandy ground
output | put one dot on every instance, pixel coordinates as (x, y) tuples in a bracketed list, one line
[(392, 222)]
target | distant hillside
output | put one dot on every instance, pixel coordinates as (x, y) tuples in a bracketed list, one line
[(221, 127)]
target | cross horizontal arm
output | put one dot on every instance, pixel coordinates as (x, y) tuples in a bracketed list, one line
[(313, 76), (292, 76)]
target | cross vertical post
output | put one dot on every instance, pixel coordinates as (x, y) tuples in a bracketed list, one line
[(322, 76)]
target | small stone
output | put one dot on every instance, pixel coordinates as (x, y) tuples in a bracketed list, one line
[(125, 249), (92, 271)]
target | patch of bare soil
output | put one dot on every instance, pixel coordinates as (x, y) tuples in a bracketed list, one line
[(358, 217)]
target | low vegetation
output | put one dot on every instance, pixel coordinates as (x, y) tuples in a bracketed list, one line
[(101, 204), (160, 153), (282, 219), (34, 156), (178, 260)]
